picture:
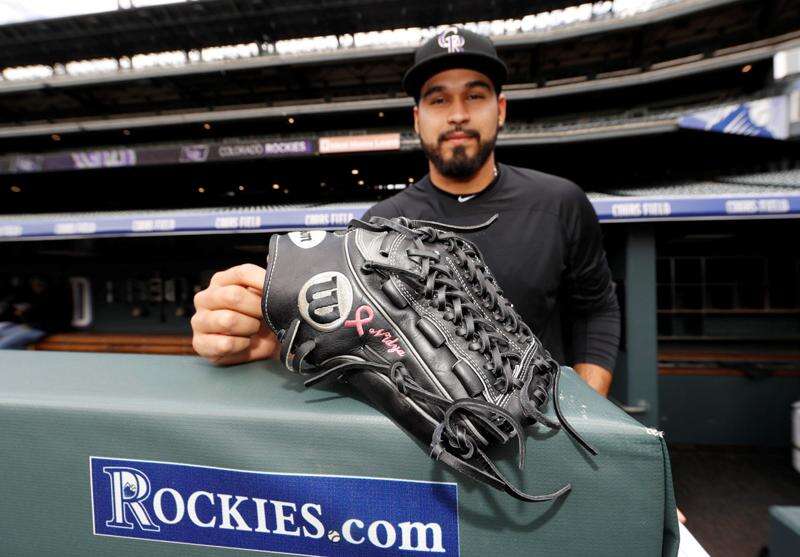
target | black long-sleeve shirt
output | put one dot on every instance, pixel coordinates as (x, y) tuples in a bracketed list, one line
[(545, 251)]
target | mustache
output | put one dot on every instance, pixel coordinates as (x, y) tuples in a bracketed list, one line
[(444, 136)]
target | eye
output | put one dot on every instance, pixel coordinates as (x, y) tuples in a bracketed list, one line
[(437, 100), (472, 96)]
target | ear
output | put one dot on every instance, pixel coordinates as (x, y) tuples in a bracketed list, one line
[(416, 119), (501, 110)]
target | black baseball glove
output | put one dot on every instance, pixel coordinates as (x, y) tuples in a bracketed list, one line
[(409, 314)]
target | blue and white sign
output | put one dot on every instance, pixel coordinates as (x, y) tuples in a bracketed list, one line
[(761, 118), (608, 209), (197, 221), (625, 209), (281, 513)]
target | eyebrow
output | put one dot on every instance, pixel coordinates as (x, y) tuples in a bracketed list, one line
[(469, 85)]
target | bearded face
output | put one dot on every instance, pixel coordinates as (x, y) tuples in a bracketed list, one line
[(457, 159), (457, 118)]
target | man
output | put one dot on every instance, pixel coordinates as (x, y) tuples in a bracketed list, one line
[(545, 249)]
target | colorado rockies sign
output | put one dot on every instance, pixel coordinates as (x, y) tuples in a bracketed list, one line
[(281, 513)]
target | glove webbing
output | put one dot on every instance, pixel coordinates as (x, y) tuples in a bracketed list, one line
[(462, 312), (473, 462), (446, 295), (468, 255), (433, 274)]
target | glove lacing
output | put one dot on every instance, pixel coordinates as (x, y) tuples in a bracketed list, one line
[(443, 292)]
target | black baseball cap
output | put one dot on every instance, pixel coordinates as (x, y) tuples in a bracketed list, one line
[(454, 48)]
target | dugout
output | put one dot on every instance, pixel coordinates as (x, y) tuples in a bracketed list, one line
[(707, 305), (709, 294)]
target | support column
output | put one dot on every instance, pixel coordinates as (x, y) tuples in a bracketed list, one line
[(641, 377)]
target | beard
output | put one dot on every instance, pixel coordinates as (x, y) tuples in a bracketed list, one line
[(460, 166)]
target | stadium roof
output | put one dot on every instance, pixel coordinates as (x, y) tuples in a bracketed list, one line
[(205, 23), (540, 27), (363, 87)]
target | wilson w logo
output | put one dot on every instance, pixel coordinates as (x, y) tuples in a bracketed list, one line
[(323, 305), (325, 300)]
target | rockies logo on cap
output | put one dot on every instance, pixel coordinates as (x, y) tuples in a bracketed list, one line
[(454, 48), (451, 40)]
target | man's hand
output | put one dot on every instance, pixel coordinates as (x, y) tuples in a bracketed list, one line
[(227, 326), (598, 378)]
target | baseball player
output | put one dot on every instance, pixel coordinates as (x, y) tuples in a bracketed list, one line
[(545, 248)]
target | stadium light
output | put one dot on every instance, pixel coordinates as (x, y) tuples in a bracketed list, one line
[(145, 3), (55, 137), (18, 11), (229, 52), (158, 59), (747, 68), (354, 172), (276, 186), (786, 63), (38, 71), (16, 189), (309, 44), (93, 66)]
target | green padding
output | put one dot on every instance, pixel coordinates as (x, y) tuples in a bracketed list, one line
[(784, 531), (57, 409)]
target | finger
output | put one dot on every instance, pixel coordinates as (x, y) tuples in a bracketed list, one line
[(215, 347), (260, 348), (248, 275), (231, 297), (225, 322)]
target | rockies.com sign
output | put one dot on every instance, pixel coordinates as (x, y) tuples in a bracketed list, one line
[(281, 513)]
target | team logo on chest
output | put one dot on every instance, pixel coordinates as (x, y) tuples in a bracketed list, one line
[(325, 300)]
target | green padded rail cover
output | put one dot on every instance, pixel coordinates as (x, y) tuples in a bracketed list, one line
[(59, 409), (784, 531)]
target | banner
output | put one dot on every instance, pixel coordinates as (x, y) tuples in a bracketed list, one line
[(295, 514), (261, 149), (185, 221), (154, 155), (619, 209), (359, 143), (108, 158), (762, 118), (266, 219)]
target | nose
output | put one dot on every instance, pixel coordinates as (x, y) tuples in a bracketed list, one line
[(458, 113)]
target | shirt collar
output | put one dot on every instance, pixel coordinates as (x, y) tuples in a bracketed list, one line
[(464, 198)]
